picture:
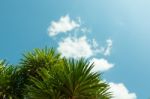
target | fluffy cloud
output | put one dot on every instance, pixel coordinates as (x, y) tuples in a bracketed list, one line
[(109, 47), (65, 24), (119, 91), (75, 47), (101, 64)]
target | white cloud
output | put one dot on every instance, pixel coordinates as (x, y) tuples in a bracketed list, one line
[(101, 64), (65, 24), (109, 47), (119, 91), (75, 47)]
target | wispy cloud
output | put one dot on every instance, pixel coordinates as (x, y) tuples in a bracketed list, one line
[(63, 25), (108, 48), (101, 64), (119, 91)]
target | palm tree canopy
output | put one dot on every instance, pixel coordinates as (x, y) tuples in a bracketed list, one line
[(39, 58), (33, 61), (75, 81), (43, 74), (7, 78)]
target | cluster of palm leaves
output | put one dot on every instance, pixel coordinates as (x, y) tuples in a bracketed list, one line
[(44, 74)]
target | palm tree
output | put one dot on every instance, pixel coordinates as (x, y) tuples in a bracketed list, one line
[(32, 62), (14, 78), (7, 78), (43, 74), (74, 81)]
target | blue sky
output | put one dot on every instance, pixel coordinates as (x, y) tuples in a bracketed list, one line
[(24, 25)]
